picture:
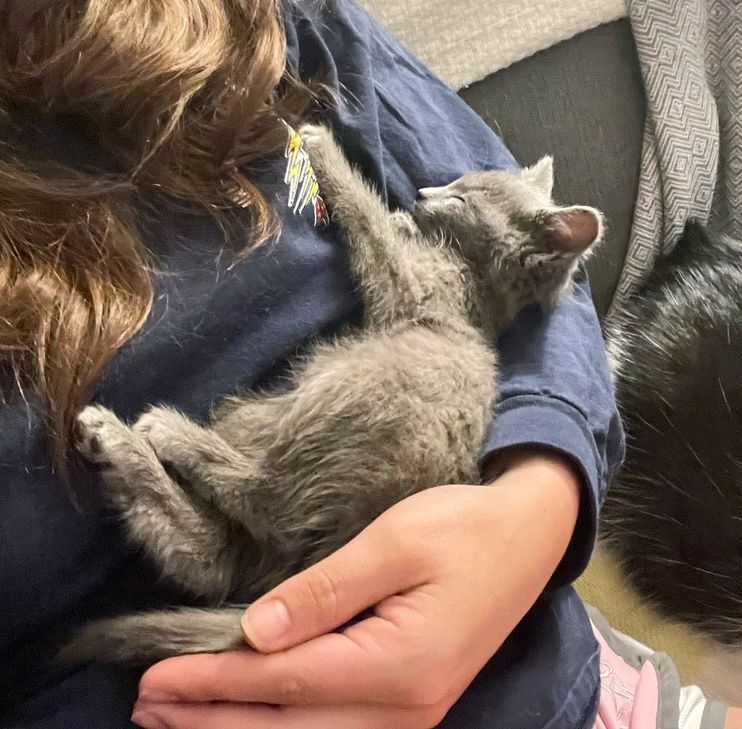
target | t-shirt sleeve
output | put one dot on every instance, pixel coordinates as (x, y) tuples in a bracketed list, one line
[(555, 391), (406, 130)]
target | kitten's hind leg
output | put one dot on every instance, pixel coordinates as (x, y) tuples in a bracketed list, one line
[(202, 461), (194, 545)]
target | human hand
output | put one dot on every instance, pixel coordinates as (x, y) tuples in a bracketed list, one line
[(449, 573)]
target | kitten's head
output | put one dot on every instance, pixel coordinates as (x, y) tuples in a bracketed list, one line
[(511, 233)]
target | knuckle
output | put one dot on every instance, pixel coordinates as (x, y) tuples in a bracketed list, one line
[(324, 592), (290, 690)]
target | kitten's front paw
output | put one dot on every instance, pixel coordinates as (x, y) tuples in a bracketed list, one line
[(98, 433), (324, 153), (316, 135)]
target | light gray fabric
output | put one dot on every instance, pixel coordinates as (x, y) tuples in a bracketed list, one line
[(463, 41), (690, 53)]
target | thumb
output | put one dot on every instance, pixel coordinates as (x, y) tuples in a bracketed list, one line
[(328, 594)]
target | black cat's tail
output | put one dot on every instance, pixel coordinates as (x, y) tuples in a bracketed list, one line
[(147, 637), (699, 244)]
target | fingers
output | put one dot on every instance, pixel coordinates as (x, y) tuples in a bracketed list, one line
[(330, 593), (235, 716), (355, 668)]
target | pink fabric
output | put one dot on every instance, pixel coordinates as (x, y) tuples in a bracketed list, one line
[(629, 697)]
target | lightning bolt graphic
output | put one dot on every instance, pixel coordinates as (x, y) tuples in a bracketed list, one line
[(303, 186)]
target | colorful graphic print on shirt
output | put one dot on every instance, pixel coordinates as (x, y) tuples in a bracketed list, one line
[(302, 182)]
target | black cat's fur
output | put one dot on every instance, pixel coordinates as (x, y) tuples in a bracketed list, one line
[(675, 515)]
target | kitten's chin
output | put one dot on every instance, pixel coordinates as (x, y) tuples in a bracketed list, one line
[(428, 217), (421, 216)]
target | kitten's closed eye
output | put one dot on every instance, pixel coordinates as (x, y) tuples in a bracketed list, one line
[(438, 201)]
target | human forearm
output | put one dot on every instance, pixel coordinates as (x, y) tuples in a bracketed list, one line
[(556, 396)]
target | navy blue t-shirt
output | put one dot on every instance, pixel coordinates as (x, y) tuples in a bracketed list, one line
[(215, 328)]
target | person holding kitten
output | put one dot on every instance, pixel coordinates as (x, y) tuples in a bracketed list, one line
[(162, 242)]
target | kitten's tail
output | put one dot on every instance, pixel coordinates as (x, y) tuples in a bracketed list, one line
[(148, 637)]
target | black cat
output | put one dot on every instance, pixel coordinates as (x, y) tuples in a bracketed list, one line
[(675, 515)]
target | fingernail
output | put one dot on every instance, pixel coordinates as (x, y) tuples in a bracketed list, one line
[(264, 623), (148, 719)]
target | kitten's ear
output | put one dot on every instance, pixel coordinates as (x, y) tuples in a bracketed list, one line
[(541, 175), (572, 230)]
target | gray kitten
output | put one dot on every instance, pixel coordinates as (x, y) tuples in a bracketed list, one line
[(279, 481)]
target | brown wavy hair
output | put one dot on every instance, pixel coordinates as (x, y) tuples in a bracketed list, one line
[(176, 95)]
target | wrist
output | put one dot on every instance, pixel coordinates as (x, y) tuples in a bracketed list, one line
[(528, 456), (546, 485)]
